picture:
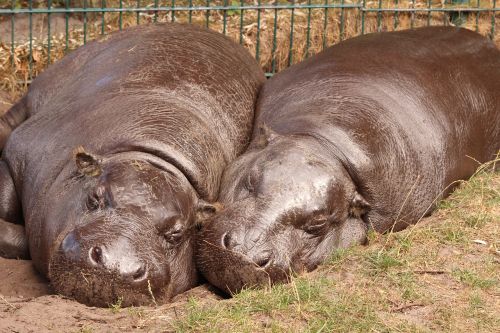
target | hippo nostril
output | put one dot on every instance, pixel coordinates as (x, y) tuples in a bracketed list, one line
[(140, 274), (96, 255), (226, 241)]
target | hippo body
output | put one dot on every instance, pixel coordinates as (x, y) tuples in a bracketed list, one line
[(118, 150), (369, 134)]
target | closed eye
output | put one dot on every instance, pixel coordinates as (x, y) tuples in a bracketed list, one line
[(96, 200), (317, 225)]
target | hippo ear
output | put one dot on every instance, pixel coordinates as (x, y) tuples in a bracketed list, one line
[(205, 210), (359, 205), (87, 163), (265, 136)]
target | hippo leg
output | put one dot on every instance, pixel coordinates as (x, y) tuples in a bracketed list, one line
[(13, 242), (11, 119)]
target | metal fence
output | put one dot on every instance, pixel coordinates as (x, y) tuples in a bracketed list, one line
[(279, 33)]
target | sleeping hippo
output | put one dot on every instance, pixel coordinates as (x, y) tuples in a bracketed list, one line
[(365, 135), (116, 152)]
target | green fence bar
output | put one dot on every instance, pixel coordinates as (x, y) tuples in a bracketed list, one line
[(156, 12), (363, 16), (290, 51), (103, 11), (342, 23), (429, 14), (12, 37), (379, 16), (494, 5), (224, 18), (207, 15), (242, 13), (396, 15), (49, 35), (311, 23), (137, 17), (308, 30), (257, 43), (325, 25), (273, 52), (85, 23), (190, 15), (66, 26), (192, 8), (30, 61), (172, 12), (477, 15)]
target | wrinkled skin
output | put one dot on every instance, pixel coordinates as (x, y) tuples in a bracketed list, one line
[(368, 134), (115, 154)]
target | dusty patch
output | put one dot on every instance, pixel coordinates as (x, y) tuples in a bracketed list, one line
[(28, 306)]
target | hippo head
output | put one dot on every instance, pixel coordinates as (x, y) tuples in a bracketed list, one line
[(127, 234), (286, 206)]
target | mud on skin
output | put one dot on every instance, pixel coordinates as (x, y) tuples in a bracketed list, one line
[(368, 134), (114, 155)]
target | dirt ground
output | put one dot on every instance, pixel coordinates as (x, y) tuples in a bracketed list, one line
[(27, 304)]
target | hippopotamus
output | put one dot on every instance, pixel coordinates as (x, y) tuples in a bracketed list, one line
[(366, 135), (116, 153)]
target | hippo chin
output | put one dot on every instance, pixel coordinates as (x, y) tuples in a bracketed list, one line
[(368, 134), (112, 157)]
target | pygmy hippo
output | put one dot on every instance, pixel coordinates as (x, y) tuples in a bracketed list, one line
[(366, 135), (116, 151)]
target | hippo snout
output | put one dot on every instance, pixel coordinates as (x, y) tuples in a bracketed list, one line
[(130, 270), (221, 256), (101, 270), (127, 266), (261, 259)]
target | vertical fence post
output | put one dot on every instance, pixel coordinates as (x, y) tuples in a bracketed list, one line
[(49, 34), (290, 54), (30, 60), (325, 24), (241, 22), (12, 37), (257, 43), (493, 20), (456, 16), (308, 31)]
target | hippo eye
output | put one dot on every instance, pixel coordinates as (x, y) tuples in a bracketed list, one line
[(96, 200), (251, 183), (93, 202), (316, 225), (174, 235)]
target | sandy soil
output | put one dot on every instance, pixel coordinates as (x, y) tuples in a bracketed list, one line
[(27, 304)]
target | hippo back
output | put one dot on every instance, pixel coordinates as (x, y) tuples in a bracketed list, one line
[(407, 112)]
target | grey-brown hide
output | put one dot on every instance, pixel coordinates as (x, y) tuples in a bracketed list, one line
[(118, 148), (367, 134)]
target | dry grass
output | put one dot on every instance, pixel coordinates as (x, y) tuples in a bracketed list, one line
[(440, 276), (276, 51)]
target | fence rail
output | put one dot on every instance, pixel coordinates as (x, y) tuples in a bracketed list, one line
[(279, 33)]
